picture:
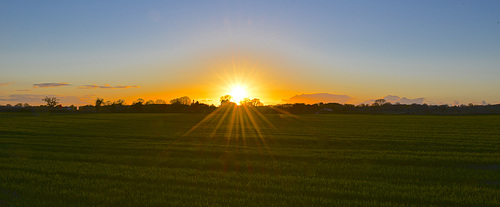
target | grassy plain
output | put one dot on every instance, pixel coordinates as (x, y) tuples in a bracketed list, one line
[(307, 160)]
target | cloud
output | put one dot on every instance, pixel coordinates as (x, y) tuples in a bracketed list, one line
[(106, 86), (319, 97), (49, 85), (397, 99), (6, 84)]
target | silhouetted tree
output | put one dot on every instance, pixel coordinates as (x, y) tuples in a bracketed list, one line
[(182, 100), (98, 104), (198, 107), (251, 102), (120, 102), (137, 105), (160, 101), (150, 102), (51, 101), (256, 102), (246, 101), (379, 102), (225, 99), (139, 101)]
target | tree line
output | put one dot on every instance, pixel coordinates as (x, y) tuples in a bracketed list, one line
[(186, 105)]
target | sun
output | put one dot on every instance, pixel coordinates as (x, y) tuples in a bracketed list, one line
[(238, 93)]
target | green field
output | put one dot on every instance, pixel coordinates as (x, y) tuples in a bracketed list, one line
[(272, 160)]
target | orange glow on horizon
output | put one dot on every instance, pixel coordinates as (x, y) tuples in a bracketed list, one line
[(217, 75)]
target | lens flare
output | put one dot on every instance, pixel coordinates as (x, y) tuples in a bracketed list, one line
[(238, 93)]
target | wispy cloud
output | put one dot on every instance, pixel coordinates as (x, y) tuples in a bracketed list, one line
[(106, 86), (49, 85), (319, 97), (6, 84)]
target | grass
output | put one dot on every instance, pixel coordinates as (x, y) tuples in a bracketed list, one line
[(309, 160)]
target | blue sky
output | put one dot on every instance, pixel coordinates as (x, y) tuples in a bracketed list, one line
[(443, 51)]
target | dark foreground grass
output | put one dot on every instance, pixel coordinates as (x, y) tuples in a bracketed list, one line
[(310, 160)]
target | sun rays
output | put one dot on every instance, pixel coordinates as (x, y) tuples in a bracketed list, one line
[(234, 122), (243, 128), (239, 120)]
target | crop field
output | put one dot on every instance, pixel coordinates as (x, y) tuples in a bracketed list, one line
[(238, 159)]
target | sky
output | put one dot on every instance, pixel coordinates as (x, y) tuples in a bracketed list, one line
[(434, 52)]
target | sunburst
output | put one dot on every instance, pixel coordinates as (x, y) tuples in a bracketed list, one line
[(238, 93)]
